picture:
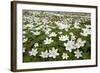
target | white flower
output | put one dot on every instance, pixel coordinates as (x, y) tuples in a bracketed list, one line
[(78, 53), (53, 34), (46, 26), (71, 33), (65, 56), (23, 36), (34, 13), (57, 14), (76, 25), (30, 19), (44, 54), (36, 19), (66, 29), (70, 20), (33, 52), (36, 32), (62, 25), (59, 32), (52, 27), (53, 53), (70, 45), (63, 38), (38, 28), (23, 49), (45, 20), (46, 30), (36, 45), (73, 37), (25, 39), (28, 26), (80, 43), (86, 32), (88, 26), (24, 32), (48, 41)]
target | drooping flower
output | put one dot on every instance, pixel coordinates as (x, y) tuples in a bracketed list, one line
[(65, 56), (44, 54), (53, 53), (70, 45), (48, 41), (78, 53), (33, 52), (63, 38)]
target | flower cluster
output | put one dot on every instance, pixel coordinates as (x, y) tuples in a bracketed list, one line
[(54, 36)]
